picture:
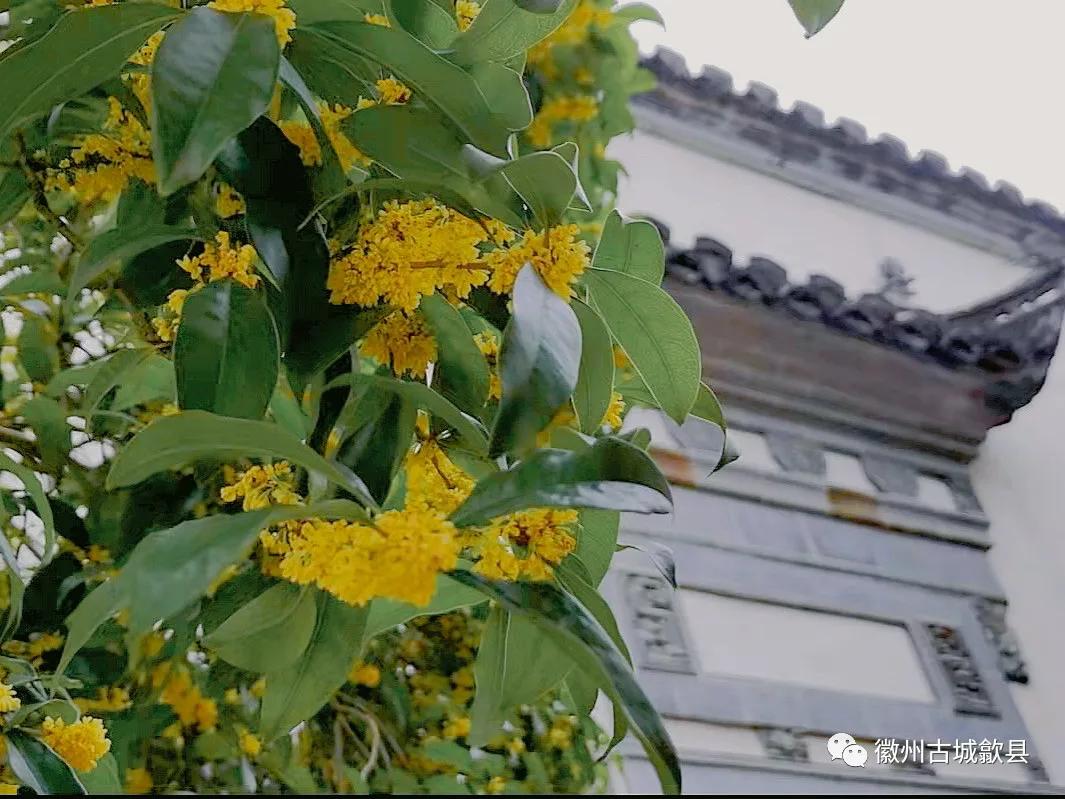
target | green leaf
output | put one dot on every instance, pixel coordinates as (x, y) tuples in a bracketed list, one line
[(577, 585), (425, 398), (100, 605), (504, 89), (38, 767), (40, 281), (112, 372), (274, 628), (49, 423), (595, 377), (36, 349), (298, 691), (226, 351), (610, 474), (656, 335), (815, 14), (585, 641), (172, 441), (151, 380), (82, 51), (104, 778), (504, 30), (449, 595), (213, 75), (436, 81), (463, 372), (14, 193), (597, 541), (375, 451), (632, 246), (426, 21), (634, 12), (119, 244), (546, 182), (539, 361), (517, 663)]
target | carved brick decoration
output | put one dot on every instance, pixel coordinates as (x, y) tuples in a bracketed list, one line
[(662, 644), (784, 743), (890, 476), (992, 617), (795, 454), (966, 685)]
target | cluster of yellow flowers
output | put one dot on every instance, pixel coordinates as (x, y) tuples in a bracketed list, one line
[(575, 30), (140, 82), (8, 700), (527, 544), (80, 744), (228, 202), (261, 486), (434, 482), (557, 253), (36, 648), (408, 250), (184, 697), (138, 781), (106, 162), (398, 556), (284, 18), (112, 699), (363, 673), (565, 108), (220, 260), (403, 342), (466, 12)]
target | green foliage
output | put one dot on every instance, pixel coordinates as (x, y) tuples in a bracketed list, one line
[(318, 336)]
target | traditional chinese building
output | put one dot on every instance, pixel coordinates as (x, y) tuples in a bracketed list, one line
[(884, 559)]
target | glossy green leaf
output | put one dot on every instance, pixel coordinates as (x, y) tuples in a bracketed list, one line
[(597, 541), (39, 281), (151, 380), (517, 663), (504, 89), (634, 12), (449, 595), (426, 21), (213, 75), (36, 349), (104, 779), (436, 81), (460, 367), (425, 398), (632, 246), (172, 441), (274, 628), (298, 691), (504, 30), (610, 474), (82, 51), (49, 423), (14, 193), (38, 767), (585, 641), (546, 182), (656, 335), (595, 377), (376, 450), (226, 351), (815, 14), (539, 361), (113, 372), (120, 244)]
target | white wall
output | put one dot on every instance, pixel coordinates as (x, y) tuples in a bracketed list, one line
[(1020, 478), (755, 214)]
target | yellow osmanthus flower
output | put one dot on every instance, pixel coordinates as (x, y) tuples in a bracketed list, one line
[(140, 82), (576, 108), (528, 544), (220, 260), (398, 557), (302, 135), (111, 699), (8, 700), (558, 255), (466, 12), (408, 250), (262, 486), (138, 781), (577, 29), (284, 18), (621, 360), (614, 412), (434, 482), (228, 202), (488, 343), (365, 674), (402, 342), (34, 650), (250, 744), (377, 19), (392, 91), (80, 744), (457, 728), (188, 703), (496, 785), (105, 162)]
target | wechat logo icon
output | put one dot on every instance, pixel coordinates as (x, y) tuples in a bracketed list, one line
[(841, 746)]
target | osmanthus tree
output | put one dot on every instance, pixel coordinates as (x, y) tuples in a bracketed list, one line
[(319, 332)]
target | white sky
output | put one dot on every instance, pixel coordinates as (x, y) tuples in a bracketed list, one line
[(979, 81)]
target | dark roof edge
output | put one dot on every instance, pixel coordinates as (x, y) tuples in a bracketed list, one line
[(842, 151)]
